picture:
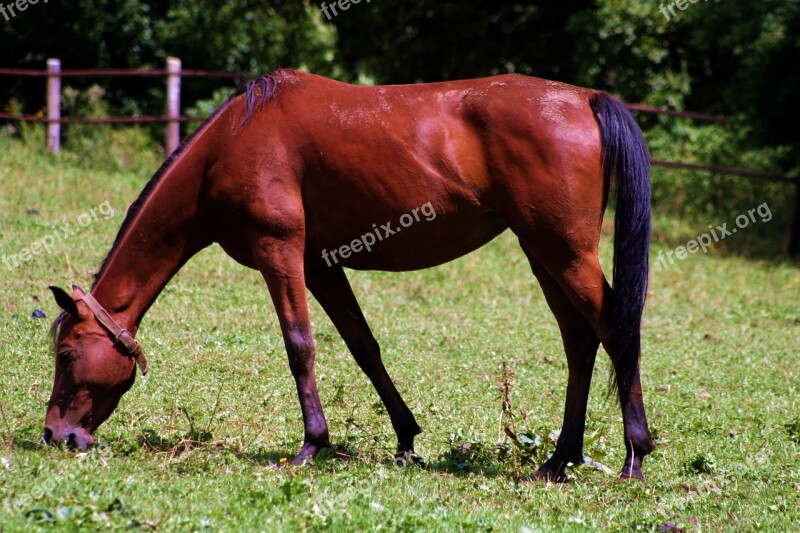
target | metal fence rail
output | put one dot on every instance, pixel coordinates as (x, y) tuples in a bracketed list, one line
[(55, 74)]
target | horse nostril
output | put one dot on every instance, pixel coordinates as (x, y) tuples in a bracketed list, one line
[(72, 441), (48, 435)]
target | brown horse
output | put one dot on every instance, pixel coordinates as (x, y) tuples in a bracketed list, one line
[(296, 175)]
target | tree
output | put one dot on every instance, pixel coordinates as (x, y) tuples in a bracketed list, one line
[(400, 41), (233, 36), (735, 58)]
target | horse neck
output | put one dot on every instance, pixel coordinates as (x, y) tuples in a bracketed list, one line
[(165, 231)]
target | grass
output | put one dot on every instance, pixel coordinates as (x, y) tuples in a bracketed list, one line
[(202, 443)]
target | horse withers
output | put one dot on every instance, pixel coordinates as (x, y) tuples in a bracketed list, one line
[(295, 166)]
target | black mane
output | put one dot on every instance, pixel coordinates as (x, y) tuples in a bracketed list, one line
[(268, 85)]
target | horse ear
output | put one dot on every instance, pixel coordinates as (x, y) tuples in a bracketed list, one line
[(64, 300), (77, 293)]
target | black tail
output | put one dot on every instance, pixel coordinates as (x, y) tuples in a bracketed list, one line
[(625, 154)]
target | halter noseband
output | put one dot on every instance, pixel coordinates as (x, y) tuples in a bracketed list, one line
[(121, 335)]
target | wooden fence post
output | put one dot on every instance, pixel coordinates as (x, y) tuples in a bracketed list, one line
[(173, 104), (54, 105)]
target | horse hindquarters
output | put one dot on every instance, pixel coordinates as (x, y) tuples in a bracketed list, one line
[(558, 222)]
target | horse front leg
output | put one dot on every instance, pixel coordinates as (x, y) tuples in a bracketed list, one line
[(330, 287), (280, 261)]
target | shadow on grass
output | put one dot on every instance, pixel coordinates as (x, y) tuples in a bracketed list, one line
[(326, 457), (26, 444), (460, 460), (25, 437), (175, 444), (478, 459)]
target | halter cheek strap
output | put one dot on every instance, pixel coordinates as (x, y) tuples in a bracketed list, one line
[(121, 335)]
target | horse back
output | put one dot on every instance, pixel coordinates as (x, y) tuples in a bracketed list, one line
[(350, 157)]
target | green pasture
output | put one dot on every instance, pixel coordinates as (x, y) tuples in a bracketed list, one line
[(202, 442)]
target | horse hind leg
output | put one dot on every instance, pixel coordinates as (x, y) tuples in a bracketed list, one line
[(581, 280), (580, 344)]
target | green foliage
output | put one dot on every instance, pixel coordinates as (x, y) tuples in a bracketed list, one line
[(622, 45), (703, 463), (234, 36), (203, 108), (703, 195), (732, 59), (398, 41), (718, 57), (246, 36), (740, 64), (707, 58)]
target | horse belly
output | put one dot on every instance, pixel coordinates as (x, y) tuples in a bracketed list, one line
[(406, 242)]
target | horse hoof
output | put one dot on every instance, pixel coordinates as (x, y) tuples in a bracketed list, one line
[(308, 452), (301, 459), (625, 476), (549, 477), (408, 458)]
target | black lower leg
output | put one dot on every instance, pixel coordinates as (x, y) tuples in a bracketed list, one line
[(638, 439), (332, 290), (569, 448), (301, 353)]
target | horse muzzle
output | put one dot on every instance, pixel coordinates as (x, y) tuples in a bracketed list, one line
[(73, 437)]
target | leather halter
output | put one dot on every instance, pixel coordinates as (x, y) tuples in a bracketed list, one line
[(121, 335)]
